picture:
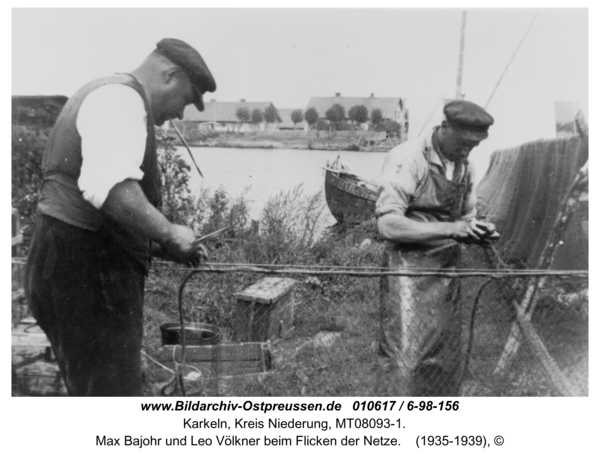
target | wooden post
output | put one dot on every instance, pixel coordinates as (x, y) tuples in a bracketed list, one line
[(461, 56)]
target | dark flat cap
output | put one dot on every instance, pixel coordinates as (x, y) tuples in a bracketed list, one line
[(471, 121), (191, 62)]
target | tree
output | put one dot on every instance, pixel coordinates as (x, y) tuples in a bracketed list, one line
[(388, 126), (335, 114), (322, 124), (296, 117), (376, 117), (243, 115), (257, 116), (358, 114), (311, 117), (270, 114)]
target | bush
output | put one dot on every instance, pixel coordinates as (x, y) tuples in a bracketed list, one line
[(289, 226), (178, 204), (27, 150), (344, 126), (388, 126)]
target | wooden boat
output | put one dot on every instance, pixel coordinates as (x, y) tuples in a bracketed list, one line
[(350, 198)]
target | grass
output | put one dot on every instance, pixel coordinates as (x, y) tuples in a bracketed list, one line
[(332, 350)]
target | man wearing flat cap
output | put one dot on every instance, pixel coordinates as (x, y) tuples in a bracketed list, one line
[(426, 201), (98, 218)]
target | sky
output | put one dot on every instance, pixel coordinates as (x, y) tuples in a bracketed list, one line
[(286, 56)]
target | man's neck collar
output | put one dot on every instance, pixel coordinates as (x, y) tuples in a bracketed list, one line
[(436, 145)]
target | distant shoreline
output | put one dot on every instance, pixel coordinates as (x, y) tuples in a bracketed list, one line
[(329, 144)]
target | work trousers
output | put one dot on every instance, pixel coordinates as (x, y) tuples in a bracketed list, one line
[(87, 294), (420, 337)]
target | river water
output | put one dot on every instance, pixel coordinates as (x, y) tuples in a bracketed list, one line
[(263, 173)]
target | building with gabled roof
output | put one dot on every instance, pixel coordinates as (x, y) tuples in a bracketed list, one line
[(221, 116), (392, 108)]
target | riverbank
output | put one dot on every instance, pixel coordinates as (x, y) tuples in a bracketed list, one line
[(324, 144), (343, 141)]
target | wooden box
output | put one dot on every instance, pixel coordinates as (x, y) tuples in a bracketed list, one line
[(265, 310), (18, 264), (219, 360), (34, 371)]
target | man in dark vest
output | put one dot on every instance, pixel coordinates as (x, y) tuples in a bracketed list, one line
[(427, 201), (98, 218)]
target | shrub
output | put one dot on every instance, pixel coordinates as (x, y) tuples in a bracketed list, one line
[(388, 126), (289, 225), (27, 150), (178, 204)]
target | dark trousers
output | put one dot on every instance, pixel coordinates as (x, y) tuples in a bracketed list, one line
[(87, 294)]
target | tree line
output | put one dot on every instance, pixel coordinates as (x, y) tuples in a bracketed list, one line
[(335, 118)]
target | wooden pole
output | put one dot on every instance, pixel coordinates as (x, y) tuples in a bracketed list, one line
[(461, 55), (187, 147)]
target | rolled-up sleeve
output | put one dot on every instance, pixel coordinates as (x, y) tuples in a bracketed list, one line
[(398, 183)]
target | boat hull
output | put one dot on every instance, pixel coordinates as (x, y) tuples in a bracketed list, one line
[(347, 201)]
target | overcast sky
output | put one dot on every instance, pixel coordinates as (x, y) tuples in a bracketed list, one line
[(287, 56)]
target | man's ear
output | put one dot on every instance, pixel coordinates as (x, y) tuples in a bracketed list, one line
[(444, 127), (171, 75)]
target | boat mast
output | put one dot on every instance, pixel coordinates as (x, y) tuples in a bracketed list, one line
[(461, 55)]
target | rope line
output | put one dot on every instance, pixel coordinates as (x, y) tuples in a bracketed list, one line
[(375, 272)]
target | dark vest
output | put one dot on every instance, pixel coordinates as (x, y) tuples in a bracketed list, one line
[(61, 197)]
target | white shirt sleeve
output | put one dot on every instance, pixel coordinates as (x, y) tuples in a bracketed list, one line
[(112, 125)]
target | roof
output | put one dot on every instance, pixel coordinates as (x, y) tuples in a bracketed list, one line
[(221, 111), (387, 105)]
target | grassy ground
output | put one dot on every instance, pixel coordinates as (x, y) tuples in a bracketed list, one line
[(332, 350)]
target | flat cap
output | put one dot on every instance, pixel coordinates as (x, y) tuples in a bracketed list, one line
[(471, 121), (192, 63)]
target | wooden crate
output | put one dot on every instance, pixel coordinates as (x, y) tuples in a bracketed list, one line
[(18, 264), (265, 310), (219, 360), (34, 370)]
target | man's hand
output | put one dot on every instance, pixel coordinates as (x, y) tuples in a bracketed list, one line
[(475, 231), (467, 233), (127, 205), (184, 247)]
